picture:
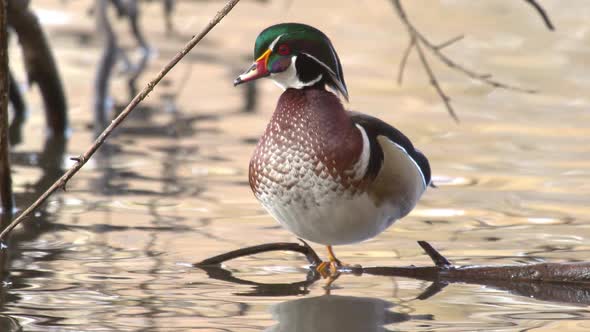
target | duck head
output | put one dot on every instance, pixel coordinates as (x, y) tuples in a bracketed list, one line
[(296, 56)]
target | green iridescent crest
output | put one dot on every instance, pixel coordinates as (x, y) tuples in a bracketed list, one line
[(288, 32), (292, 39)]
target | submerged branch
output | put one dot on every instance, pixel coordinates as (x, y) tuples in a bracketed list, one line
[(442, 271), (556, 282), (61, 182), (438, 259), (305, 249)]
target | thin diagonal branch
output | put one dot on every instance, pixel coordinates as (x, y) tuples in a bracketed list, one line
[(402, 64), (406, 54), (449, 42), (541, 12), (417, 39), (484, 78), (435, 84), (83, 158)]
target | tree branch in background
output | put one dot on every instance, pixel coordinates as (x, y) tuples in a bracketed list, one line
[(6, 196), (434, 82), (541, 12), (107, 61), (418, 40), (40, 64), (112, 51), (5, 176), (139, 67), (450, 42), (19, 108), (404, 61), (83, 158), (411, 45), (168, 10)]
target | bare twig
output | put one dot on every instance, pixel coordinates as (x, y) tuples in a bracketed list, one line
[(484, 78), (449, 42), (435, 84), (117, 121), (402, 64), (438, 259), (541, 12), (418, 39)]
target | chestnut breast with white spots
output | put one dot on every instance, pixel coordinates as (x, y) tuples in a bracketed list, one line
[(308, 170), (310, 139)]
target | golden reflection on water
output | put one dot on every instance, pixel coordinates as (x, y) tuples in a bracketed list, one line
[(114, 252)]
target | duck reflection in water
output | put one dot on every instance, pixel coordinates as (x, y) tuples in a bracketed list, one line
[(329, 313), (324, 313)]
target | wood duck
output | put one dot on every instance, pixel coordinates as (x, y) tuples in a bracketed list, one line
[(328, 175)]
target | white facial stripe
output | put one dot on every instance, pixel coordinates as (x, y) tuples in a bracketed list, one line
[(335, 77), (321, 63), (274, 42), (288, 78)]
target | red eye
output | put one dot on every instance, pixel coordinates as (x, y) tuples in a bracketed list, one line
[(284, 49)]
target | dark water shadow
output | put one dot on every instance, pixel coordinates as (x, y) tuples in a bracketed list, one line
[(262, 289), (9, 324), (50, 162)]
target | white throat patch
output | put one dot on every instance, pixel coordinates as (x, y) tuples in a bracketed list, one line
[(288, 78)]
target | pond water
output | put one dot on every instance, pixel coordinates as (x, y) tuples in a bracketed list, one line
[(169, 189)]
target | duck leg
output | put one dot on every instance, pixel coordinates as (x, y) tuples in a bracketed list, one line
[(330, 267)]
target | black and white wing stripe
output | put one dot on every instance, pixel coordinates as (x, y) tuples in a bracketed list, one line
[(374, 128)]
